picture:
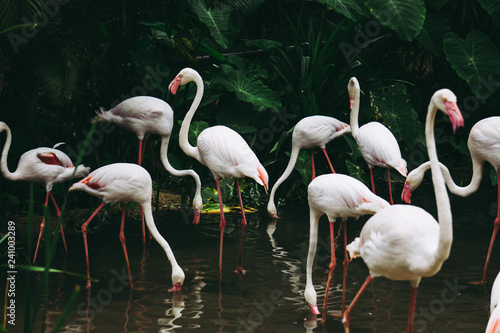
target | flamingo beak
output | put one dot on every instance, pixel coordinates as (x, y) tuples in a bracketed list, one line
[(406, 194), (196, 219), (175, 288), (174, 85), (454, 113), (314, 309)]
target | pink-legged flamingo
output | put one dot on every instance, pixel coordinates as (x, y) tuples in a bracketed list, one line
[(124, 182), (222, 150), (337, 196), (403, 242), (376, 143), (309, 132), (484, 146), (145, 115), (43, 165)]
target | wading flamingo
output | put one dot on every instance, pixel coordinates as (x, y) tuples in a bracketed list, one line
[(310, 132), (124, 182), (376, 143), (43, 165), (403, 242), (145, 115), (222, 150), (484, 146), (337, 196)]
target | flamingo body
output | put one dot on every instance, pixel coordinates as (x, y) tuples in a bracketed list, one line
[(309, 132), (222, 150), (337, 196), (43, 165), (125, 182)]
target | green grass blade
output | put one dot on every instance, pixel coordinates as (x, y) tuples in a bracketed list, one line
[(67, 309)]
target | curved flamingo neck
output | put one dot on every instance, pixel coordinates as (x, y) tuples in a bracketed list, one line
[(289, 168), (3, 160), (148, 217), (355, 111), (164, 159), (184, 132), (442, 200)]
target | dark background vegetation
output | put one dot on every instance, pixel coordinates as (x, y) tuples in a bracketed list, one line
[(265, 64)]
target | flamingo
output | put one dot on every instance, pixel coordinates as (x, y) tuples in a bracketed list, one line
[(310, 132), (124, 182), (337, 196), (376, 143), (403, 242), (222, 150), (48, 166), (494, 321), (146, 115), (484, 146)]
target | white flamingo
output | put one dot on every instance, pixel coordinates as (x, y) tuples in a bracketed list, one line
[(376, 143), (403, 242), (337, 196), (124, 182), (484, 146), (222, 150), (309, 132), (43, 165)]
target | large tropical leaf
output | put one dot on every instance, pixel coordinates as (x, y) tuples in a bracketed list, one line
[(476, 60), (216, 19), (237, 118), (406, 17), (247, 7), (493, 8), (15, 14), (250, 89), (349, 8), (432, 33), (395, 110)]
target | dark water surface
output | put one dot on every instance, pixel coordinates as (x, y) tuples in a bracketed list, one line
[(269, 298)]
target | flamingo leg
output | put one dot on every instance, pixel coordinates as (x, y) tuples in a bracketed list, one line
[(124, 246), (494, 234), (243, 227), (84, 233), (42, 227), (411, 314), (139, 159), (222, 226), (346, 318), (312, 163), (144, 227), (328, 159), (58, 211), (346, 263), (373, 182), (390, 187), (331, 267)]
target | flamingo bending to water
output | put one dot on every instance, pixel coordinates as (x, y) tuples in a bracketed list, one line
[(376, 143), (310, 132), (48, 166), (337, 196), (124, 182), (484, 146), (403, 242), (222, 150)]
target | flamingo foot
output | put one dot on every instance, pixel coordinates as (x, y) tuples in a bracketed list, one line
[(314, 309), (240, 270), (175, 288)]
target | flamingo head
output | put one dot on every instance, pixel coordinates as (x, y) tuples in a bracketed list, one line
[(175, 288), (446, 101), (351, 89), (406, 193), (271, 210), (197, 207), (185, 76), (177, 278), (311, 298)]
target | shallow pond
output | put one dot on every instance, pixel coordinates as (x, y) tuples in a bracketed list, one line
[(269, 298)]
